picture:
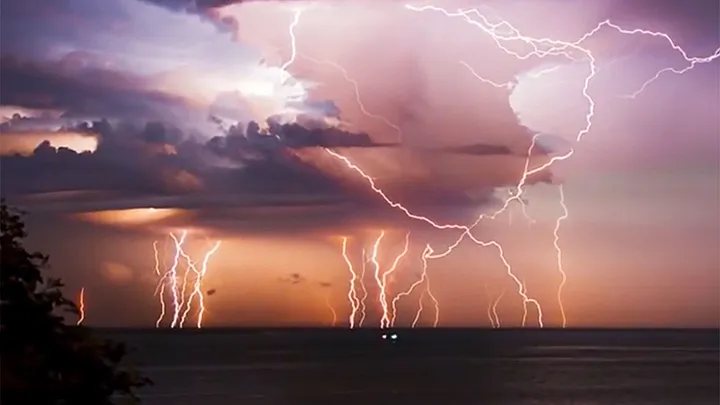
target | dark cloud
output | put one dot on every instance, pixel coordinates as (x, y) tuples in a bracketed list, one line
[(479, 149), (159, 159), (193, 5), (293, 279), (18, 122), (155, 166), (227, 183), (80, 85)]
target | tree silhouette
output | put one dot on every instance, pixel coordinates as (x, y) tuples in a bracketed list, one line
[(43, 359)]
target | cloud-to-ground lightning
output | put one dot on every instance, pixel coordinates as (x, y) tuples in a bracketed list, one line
[(197, 290), (160, 289), (363, 298), (556, 242), (357, 304), (466, 229), (504, 33), (427, 291), (382, 278), (525, 310), (81, 307), (424, 279), (352, 294), (333, 312), (171, 279), (494, 309), (489, 305)]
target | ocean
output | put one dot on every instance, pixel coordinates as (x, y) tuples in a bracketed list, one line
[(427, 366)]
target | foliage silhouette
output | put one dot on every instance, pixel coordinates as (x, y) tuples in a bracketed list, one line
[(45, 360)]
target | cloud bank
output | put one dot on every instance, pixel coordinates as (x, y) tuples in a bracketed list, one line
[(128, 134)]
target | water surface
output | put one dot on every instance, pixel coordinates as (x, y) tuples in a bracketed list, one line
[(425, 367)]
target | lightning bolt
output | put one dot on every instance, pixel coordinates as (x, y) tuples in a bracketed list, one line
[(494, 309), (436, 304), (559, 255), (526, 174), (467, 230), (174, 277), (420, 309), (424, 279), (363, 299), (525, 311), (178, 290), (160, 288), (293, 40), (197, 291), (427, 291), (329, 305), (81, 308), (501, 33), (358, 98), (381, 279), (357, 305), (352, 295), (526, 299), (489, 305)]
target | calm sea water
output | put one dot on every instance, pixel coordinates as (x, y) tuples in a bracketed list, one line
[(425, 367)]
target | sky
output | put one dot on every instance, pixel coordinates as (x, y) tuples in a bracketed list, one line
[(264, 132)]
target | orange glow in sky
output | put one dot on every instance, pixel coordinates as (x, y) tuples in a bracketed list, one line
[(25, 143), (129, 217)]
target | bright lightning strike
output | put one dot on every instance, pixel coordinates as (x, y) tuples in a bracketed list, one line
[(467, 230), (501, 33), (424, 279), (559, 255), (81, 307), (382, 279), (293, 43), (352, 295), (492, 308), (357, 304), (363, 299), (427, 291), (178, 285)]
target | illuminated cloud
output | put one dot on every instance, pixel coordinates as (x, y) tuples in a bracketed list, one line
[(129, 217), (25, 143), (117, 273)]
